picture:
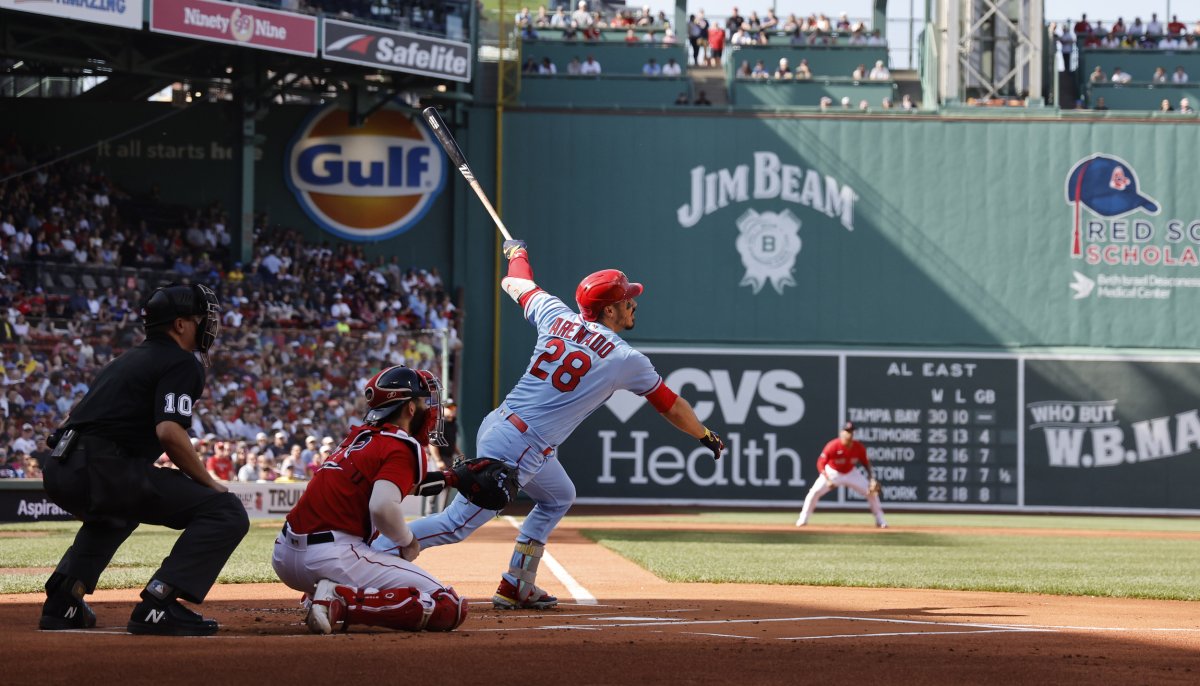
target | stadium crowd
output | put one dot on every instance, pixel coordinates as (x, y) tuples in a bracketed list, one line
[(1151, 35), (304, 326)]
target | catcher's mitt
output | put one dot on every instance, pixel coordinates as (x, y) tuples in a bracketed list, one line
[(486, 482), (875, 487)]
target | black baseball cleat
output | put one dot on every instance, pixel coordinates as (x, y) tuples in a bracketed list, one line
[(170, 618), (64, 607), (62, 611)]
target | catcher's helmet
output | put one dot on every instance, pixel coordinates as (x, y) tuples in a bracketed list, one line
[(389, 389), (170, 302), (605, 287)]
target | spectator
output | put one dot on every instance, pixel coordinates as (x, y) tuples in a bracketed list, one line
[(886, 103), (542, 20), (1165, 106), (743, 70), (560, 20), (826, 103), (1160, 75), (1155, 28), (1180, 76), (220, 463), (1137, 29), (672, 68), (574, 66), (546, 68), (859, 73), (802, 71), (701, 99), (716, 44), (530, 66), (581, 16), (25, 443), (1120, 76), (590, 67), (1082, 27), (771, 22), (906, 103), (631, 36), (784, 71), (1176, 27), (668, 36), (760, 71), (1100, 104), (1098, 75), (880, 72), (735, 21), (682, 99), (1185, 106), (846, 102), (697, 35)]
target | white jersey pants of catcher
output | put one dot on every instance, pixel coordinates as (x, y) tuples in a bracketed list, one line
[(830, 479), (540, 474), (303, 560)]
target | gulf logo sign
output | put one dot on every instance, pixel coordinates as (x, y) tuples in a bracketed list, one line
[(367, 183)]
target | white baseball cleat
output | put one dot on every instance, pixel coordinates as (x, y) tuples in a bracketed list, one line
[(318, 620), (801, 522)]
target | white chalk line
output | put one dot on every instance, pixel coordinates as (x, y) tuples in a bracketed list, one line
[(577, 591)]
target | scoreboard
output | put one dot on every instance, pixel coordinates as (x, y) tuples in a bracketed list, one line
[(937, 429)]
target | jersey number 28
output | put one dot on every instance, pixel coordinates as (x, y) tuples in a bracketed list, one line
[(566, 375)]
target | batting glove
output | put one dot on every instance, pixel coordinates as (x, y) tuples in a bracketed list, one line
[(512, 248), (712, 441)]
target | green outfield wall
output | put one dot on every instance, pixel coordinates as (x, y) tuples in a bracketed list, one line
[(1000, 344)]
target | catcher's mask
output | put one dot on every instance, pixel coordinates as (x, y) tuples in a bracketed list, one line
[(388, 390), (174, 301)]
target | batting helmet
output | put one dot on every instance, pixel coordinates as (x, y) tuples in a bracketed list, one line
[(389, 389), (605, 287), (170, 302)]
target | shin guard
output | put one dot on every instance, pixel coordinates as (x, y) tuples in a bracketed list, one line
[(449, 611), (407, 609)]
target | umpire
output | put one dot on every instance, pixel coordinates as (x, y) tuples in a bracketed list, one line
[(101, 471)]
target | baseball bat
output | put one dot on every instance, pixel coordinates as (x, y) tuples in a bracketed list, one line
[(458, 159)]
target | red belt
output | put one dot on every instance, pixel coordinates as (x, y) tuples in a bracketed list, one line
[(523, 427)]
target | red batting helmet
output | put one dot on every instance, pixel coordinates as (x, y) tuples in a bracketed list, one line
[(605, 287)]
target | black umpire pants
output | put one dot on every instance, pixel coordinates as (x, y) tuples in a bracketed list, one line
[(213, 523)]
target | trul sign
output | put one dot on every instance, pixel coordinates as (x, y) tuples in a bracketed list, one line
[(762, 405)]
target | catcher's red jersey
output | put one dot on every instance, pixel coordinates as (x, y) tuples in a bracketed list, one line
[(339, 495), (841, 457)]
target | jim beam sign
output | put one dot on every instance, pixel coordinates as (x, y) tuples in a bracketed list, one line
[(773, 412), (396, 51)]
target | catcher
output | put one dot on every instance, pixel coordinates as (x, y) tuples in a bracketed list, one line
[(323, 549), (835, 468)]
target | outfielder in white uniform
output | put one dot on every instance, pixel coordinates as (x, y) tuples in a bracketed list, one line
[(578, 363)]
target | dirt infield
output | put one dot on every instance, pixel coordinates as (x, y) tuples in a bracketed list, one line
[(638, 629)]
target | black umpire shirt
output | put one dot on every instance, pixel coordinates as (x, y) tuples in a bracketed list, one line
[(154, 382)]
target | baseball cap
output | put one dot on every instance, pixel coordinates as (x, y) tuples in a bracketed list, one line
[(1108, 186), (27, 427), (261, 436), (310, 440), (848, 426), (327, 441)]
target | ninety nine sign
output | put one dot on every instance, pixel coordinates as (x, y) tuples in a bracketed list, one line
[(246, 25), (127, 13), (407, 52)]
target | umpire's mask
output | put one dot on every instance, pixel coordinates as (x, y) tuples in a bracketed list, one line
[(198, 302)]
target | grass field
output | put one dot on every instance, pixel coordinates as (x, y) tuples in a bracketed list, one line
[(1057, 562)]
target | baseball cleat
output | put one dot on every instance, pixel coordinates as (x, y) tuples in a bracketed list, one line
[(506, 598), (170, 618), (65, 612), (801, 522), (321, 608)]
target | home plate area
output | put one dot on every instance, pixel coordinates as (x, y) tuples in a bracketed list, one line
[(695, 621)]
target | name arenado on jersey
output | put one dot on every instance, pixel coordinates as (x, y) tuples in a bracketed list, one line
[(573, 331)]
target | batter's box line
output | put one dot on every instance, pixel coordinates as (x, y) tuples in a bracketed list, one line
[(902, 633), (1104, 628), (976, 628)]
